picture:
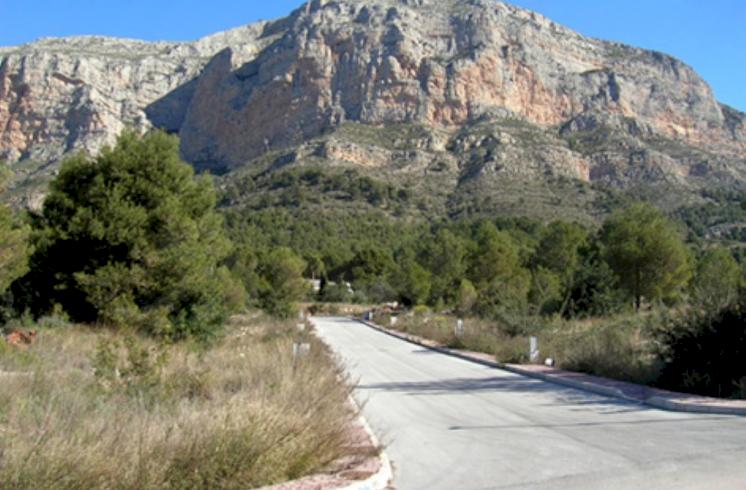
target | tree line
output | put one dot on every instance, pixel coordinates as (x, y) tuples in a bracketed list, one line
[(134, 238), (497, 267)]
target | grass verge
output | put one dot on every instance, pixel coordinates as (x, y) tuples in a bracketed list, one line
[(92, 408), (619, 347)]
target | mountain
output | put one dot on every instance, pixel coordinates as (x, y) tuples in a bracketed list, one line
[(440, 106)]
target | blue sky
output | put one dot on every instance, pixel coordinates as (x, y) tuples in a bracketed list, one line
[(710, 35)]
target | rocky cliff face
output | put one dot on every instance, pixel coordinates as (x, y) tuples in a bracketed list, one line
[(64, 95), (441, 63), (595, 110)]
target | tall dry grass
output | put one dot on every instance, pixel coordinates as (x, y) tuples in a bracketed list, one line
[(620, 347), (479, 335), (86, 408)]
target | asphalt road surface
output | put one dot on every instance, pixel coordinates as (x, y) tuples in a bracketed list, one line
[(452, 424)]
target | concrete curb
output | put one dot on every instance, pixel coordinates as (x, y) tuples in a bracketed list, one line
[(655, 401), (580, 385), (601, 390), (679, 406), (380, 480), (383, 477)]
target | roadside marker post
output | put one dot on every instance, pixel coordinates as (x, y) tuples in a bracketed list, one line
[(533, 352), (393, 321), (459, 330), (301, 349)]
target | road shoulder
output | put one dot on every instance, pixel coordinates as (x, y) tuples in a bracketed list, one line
[(654, 397)]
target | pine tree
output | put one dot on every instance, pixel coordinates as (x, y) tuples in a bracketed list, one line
[(131, 237)]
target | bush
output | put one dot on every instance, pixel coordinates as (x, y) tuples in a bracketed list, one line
[(131, 238), (281, 272), (716, 280), (614, 349), (704, 353), (336, 293)]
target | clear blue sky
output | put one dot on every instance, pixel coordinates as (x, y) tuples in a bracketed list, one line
[(710, 35)]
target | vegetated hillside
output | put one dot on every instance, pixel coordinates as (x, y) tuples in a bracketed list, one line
[(415, 107)]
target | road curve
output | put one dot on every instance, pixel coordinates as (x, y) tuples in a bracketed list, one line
[(453, 424)]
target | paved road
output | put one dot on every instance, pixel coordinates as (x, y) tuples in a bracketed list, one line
[(452, 424)]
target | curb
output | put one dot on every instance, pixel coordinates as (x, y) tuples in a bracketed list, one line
[(677, 406), (652, 401), (580, 385), (383, 477)]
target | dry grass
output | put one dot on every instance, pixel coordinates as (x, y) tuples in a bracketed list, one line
[(479, 335), (102, 409), (619, 347)]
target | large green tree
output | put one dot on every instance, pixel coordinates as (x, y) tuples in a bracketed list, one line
[(445, 257), (559, 253), (646, 253), (717, 279), (131, 237), (282, 283), (498, 273), (413, 282)]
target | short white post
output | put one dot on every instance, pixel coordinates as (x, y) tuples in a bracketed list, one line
[(393, 321), (459, 330), (301, 349), (533, 352)]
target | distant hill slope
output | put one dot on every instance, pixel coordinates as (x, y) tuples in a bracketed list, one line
[(452, 106)]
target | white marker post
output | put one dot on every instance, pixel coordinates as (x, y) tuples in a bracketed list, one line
[(393, 321), (301, 349), (533, 352), (459, 330)]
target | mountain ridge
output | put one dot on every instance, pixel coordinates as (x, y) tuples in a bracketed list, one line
[(591, 110)]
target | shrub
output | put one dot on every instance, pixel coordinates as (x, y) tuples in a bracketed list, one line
[(281, 272), (131, 238), (716, 279), (336, 293), (704, 352), (613, 349)]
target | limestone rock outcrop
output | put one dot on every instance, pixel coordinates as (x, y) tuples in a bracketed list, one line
[(448, 65)]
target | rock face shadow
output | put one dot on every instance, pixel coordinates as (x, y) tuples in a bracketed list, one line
[(168, 112)]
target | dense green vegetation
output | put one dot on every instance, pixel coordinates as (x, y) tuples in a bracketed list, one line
[(704, 352), (508, 266), (14, 246), (133, 238), (587, 291)]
